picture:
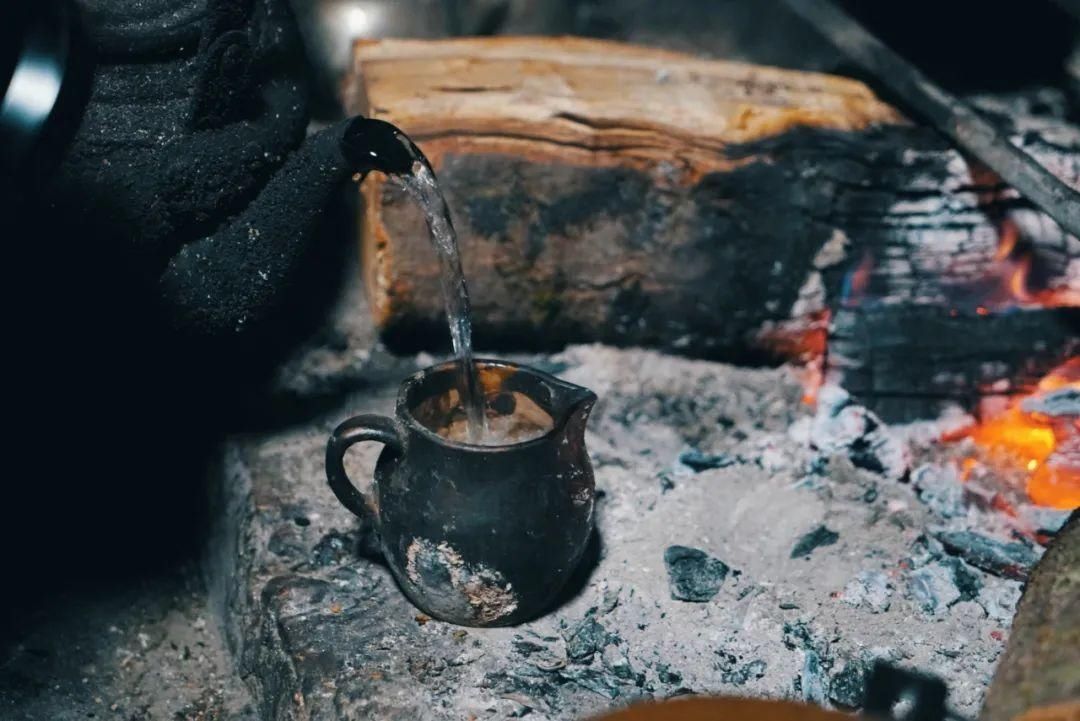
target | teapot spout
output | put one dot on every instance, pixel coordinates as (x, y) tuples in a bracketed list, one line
[(371, 144)]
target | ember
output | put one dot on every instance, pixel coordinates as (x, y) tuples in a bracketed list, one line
[(804, 342), (1040, 435)]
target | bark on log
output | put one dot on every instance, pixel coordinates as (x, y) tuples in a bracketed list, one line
[(605, 192), (1038, 678)]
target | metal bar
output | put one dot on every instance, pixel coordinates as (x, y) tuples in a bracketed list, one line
[(947, 113)]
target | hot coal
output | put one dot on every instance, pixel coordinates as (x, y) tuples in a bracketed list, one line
[(1006, 559), (812, 681), (693, 575), (820, 536)]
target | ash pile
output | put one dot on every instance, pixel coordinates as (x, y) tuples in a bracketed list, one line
[(748, 544)]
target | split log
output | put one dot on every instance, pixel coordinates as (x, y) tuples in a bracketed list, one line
[(606, 192)]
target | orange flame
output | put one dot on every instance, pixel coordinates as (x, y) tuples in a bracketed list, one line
[(1009, 236), (1018, 280), (1011, 269), (804, 341), (1046, 448)]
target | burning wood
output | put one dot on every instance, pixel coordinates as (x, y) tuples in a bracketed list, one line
[(1037, 437), (1011, 280)]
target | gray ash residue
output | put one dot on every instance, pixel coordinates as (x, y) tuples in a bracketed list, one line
[(806, 626)]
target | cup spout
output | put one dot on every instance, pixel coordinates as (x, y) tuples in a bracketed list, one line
[(573, 402)]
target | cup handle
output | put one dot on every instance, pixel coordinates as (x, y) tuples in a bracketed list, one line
[(355, 430)]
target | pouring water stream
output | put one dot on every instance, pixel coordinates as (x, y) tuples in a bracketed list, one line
[(382, 146)]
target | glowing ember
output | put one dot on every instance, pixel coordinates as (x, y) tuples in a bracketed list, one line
[(803, 341), (1045, 445)]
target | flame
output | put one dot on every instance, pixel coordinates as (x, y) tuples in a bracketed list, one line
[(1067, 374), (804, 341), (1018, 280), (1011, 272), (857, 281), (1046, 448), (1008, 237)]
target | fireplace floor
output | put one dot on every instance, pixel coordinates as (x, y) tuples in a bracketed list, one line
[(831, 529), (131, 649)]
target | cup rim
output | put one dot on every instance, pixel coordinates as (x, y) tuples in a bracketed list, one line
[(405, 414)]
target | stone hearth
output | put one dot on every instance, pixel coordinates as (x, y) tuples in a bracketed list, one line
[(747, 545)]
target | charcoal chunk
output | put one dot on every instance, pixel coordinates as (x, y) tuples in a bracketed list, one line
[(847, 687), (526, 647), (592, 680), (693, 575), (934, 587), (1006, 559), (698, 461), (797, 636), (737, 674), (585, 640), (286, 543), (618, 664), (333, 549), (968, 582), (667, 675), (820, 536)]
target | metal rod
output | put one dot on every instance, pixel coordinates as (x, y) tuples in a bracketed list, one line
[(947, 113)]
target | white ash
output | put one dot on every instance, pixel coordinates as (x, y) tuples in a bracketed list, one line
[(869, 589), (689, 453)]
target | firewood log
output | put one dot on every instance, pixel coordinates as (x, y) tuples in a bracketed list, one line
[(1038, 678), (614, 193)]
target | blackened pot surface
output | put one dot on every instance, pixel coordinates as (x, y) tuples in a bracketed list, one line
[(481, 535)]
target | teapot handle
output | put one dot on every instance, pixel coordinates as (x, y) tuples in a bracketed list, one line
[(355, 430)]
